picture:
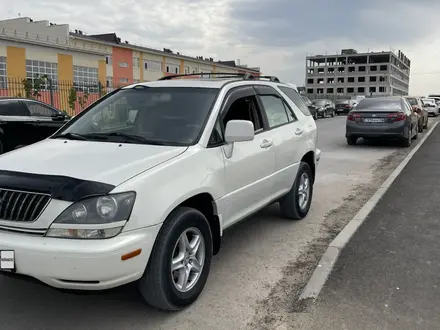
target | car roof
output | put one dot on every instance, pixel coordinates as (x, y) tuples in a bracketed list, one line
[(206, 83)]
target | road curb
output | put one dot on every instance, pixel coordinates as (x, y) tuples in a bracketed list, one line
[(331, 255)]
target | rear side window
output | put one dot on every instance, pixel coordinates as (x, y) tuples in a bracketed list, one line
[(379, 104), (275, 110), (13, 108), (296, 98)]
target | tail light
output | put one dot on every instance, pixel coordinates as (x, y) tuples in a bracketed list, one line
[(397, 116), (353, 116), (348, 106)]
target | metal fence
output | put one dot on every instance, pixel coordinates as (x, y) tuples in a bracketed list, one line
[(69, 96)]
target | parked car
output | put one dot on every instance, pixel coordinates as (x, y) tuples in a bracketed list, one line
[(24, 121), (417, 106), (324, 107), (311, 107), (343, 106), (382, 118), (431, 106), (141, 185)]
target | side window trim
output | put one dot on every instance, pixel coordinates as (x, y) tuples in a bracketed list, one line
[(231, 96)]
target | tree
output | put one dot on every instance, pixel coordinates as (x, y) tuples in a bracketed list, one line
[(33, 87), (72, 99)]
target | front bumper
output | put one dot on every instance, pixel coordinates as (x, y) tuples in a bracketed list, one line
[(81, 264)]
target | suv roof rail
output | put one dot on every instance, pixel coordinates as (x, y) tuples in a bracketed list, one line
[(243, 76)]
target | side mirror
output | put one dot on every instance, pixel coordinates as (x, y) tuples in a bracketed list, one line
[(239, 131)]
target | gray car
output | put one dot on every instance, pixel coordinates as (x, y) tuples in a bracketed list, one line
[(382, 118), (324, 107)]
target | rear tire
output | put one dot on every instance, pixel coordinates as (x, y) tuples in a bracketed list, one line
[(333, 113), (407, 141), (351, 141), (158, 284), (296, 204)]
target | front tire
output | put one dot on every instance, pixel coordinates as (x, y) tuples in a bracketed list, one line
[(180, 261), (296, 204)]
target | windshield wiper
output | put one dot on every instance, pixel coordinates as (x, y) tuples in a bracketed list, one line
[(128, 137), (71, 136)]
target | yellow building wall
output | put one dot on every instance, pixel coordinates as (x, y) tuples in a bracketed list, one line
[(102, 74), (16, 63), (65, 76), (182, 67)]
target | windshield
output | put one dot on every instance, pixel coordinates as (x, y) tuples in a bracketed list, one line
[(431, 101), (412, 100), (379, 104), (156, 115), (319, 102)]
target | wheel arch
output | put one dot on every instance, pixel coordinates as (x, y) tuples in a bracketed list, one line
[(309, 158)]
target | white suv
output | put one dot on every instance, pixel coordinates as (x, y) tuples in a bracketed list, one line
[(141, 185)]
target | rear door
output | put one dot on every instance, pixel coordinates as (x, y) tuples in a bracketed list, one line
[(288, 135)]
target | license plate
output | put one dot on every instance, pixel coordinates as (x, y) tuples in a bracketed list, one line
[(7, 260), (374, 120)]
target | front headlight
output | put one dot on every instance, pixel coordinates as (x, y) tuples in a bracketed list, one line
[(95, 217)]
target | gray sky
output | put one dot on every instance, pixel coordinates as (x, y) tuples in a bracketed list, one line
[(275, 34)]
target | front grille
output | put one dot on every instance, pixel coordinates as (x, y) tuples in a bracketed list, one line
[(21, 205)]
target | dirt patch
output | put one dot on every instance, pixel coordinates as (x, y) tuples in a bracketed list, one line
[(282, 302)]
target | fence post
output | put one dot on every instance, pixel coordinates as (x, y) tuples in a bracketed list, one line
[(51, 91)]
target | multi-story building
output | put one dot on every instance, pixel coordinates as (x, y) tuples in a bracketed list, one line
[(351, 73), (72, 59)]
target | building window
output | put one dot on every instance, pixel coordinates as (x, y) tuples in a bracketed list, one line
[(109, 82), (85, 79), (382, 89), (123, 80), (153, 66), (136, 62), (108, 59), (3, 76), (35, 69), (123, 64), (186, 70), (172, 68)]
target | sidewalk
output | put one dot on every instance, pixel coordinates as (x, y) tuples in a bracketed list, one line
[(388, 275)]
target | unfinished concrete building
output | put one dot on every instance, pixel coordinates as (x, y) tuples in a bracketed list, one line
[(352, 73)]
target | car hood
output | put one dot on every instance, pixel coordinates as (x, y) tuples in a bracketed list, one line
[(106, 162)]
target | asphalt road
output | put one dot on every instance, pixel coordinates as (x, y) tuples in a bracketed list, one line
[(387, 276), (263, 263)]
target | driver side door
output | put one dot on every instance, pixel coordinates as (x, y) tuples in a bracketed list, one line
[(250, 165)]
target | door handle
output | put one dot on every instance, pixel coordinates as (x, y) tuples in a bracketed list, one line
[(299, 131), (266, 144)]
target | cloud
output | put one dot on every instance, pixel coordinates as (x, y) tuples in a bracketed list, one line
[(275, 35)]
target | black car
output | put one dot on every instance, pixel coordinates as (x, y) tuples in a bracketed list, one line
[(343, 106), (24, 121), (311, 107)]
